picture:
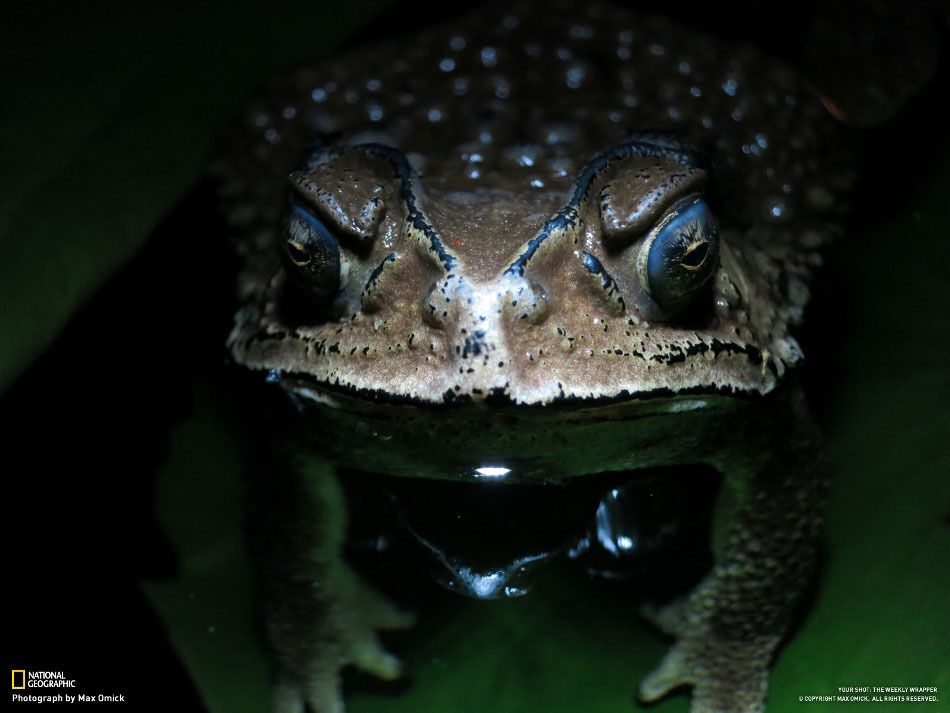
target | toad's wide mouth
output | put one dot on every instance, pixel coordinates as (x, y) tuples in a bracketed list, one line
[(503, 441), (347, 396)]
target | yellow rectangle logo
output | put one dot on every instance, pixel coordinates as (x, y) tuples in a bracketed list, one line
[(21, 678)]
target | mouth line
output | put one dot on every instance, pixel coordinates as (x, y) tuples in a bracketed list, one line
[(307, 386)]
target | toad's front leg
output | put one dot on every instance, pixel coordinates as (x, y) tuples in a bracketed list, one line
[(318, 614), (765, 535)]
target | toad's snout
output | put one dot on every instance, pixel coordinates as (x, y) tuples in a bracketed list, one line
[(456, 302), (481, 317)]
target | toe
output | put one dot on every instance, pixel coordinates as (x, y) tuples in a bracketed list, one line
[(287, 697), (372, 658), (324, 694), (671, 672)]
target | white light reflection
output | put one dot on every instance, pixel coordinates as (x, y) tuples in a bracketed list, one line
[(492, 471), (482, 586), (625, 542)]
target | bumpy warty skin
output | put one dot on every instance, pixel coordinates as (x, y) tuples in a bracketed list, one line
[(498, 115)]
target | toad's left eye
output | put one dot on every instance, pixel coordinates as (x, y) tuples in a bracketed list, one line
[(679, 255), (311, 254)]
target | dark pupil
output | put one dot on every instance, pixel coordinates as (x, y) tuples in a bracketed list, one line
[(695, 257), (297, 253)]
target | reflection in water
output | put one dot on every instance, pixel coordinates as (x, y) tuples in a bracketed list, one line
[(635, 519), (492, 471), (489, 542), (508, 581)]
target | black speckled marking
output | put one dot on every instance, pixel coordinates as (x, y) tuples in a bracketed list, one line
[(566, 217), (475, 344), (374, 275), (594, 266)]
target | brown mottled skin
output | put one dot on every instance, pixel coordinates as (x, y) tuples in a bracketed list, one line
[(466, 323)]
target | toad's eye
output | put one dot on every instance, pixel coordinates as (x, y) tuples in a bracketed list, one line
[(310, 253), (679, 255)]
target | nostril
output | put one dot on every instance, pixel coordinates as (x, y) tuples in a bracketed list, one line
[(441, 303), (525, 300)]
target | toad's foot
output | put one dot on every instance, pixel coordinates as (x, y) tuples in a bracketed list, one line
[(727, 675), (764, 542), (339, 631)]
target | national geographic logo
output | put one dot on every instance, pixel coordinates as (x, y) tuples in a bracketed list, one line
[(21, 679), (29, 681)]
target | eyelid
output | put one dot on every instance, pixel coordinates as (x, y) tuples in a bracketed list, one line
[(363, 225), (628, 211)]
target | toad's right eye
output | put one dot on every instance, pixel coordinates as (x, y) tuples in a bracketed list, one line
[(680, 255), (311, 253)]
